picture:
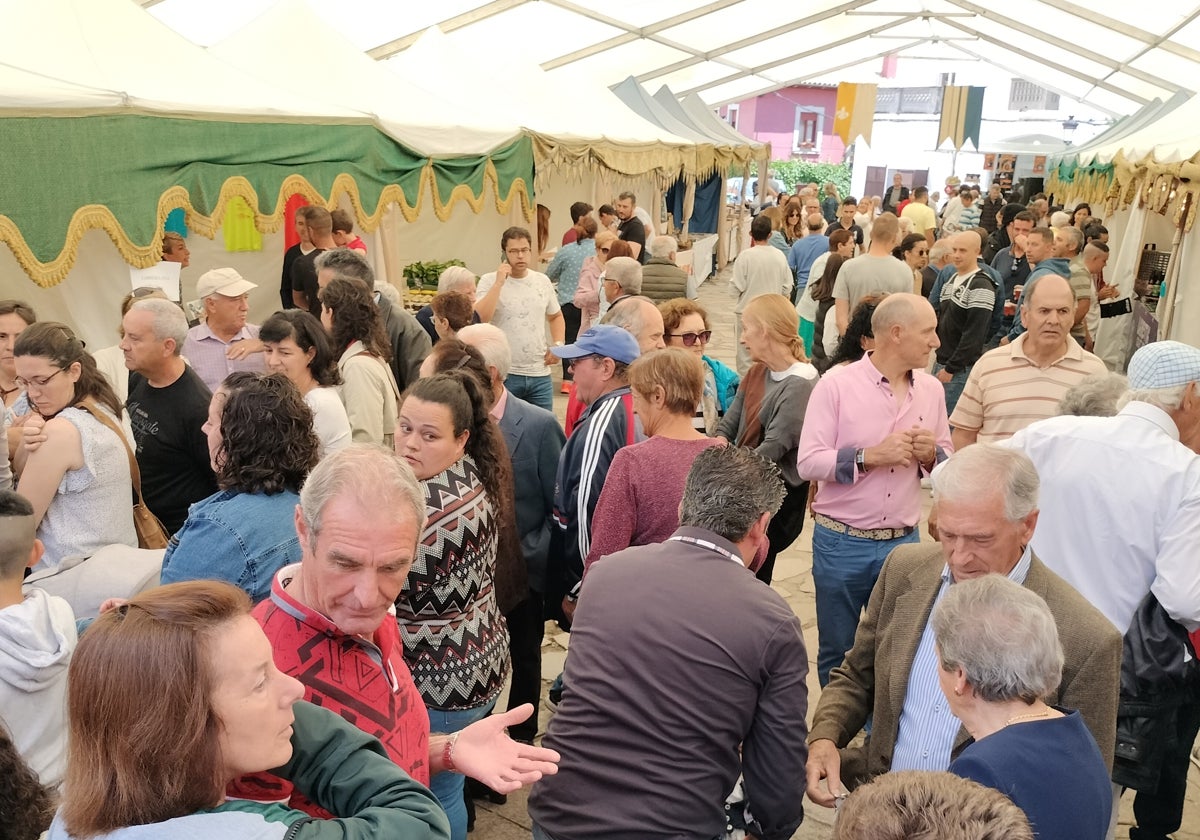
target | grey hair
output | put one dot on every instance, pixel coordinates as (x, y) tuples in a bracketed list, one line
[(939, 250), (169, 320), (455, 276), (348, 263), (1002, 635), (378, 478), (1073, 235), (628, 195), (1060, 219), (728, 488), (978, 471), (1168, 399), (627, 272), (627, 315), (492, 343), (1094, 396), (663, 246)]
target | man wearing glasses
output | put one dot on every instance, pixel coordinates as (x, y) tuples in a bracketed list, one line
[(521, 301)]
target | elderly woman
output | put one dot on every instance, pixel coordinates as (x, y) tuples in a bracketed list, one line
[(295, 344), (368, 388), (999, 655), (454, 636), (73, 460), (262, 445), (589, 289), (768, 411), (451, 312), (188, 671), (644, 485), (685, 325)]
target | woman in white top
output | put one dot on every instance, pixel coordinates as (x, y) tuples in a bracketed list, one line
[(72, 466), (368, 388), (295, 344)]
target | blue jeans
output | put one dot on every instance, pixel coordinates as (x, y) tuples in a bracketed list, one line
[(954, 387), (535, 390), (845, 569), (448, 787)]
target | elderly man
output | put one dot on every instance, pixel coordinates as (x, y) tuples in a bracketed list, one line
[(662, 280), (600, 360), (646, 751), (987, 502), (329, 619), (1095, 258), (895, 194), (760, 270), (1022, 382), (224, 342), (964, 307), (1123, 521), (408, 341), (168, 405), (876, 271), (622, 279), (1039, 251), (522, 302), (870, 432), (458, 279), (1068, 245), (535, 442)]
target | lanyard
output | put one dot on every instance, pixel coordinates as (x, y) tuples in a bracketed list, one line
[(711, 546)]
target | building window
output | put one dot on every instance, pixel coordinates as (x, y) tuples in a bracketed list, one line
[(731, 115), (1026, 96), (810, 121)]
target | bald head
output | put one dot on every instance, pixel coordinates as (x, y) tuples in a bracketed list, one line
[(903, 309), (639, 317), (964, 251), (1046, 284)]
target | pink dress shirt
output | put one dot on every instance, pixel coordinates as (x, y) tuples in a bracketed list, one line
[(855, 409)]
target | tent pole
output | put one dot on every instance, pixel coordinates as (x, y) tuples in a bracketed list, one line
[(1172, 274)]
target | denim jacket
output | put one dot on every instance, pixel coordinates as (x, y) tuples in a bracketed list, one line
[(242, 538)]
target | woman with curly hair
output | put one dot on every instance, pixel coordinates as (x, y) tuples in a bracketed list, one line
[(368, 388), (262, 445), (72, 459), (26, 806), (295, 344), (454, 635), (859, 337)]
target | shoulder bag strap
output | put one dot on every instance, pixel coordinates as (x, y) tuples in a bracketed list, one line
[(135, 474)]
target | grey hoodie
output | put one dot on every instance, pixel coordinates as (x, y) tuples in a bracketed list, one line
[(37, 638)]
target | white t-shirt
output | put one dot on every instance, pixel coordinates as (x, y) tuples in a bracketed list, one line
[(329, 419), (521, 313), (647, 222)]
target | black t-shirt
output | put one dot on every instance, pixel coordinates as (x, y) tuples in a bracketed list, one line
[(172, 449), (855, 231), (285, 283), (304, 278), (632, 230)]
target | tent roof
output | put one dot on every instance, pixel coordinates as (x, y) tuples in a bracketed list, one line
[(89, 46), (413, 115), (1098, 53)]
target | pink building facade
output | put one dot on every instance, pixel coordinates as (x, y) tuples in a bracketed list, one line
[(797, 121)]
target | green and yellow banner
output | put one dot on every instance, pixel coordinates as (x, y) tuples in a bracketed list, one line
[(962, 113)]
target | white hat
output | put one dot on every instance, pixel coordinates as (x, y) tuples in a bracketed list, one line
[(223, 281)]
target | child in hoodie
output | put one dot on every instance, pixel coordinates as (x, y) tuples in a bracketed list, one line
[(37, 638)]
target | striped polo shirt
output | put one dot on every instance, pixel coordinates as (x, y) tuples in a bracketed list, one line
[(1007, 391)]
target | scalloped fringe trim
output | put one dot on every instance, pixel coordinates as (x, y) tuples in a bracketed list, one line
[(98, 217)]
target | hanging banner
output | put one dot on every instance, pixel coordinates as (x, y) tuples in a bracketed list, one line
[(854, 115), (962, 115)]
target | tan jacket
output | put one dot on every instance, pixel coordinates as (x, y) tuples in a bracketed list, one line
[(369, 392), (886, 644)]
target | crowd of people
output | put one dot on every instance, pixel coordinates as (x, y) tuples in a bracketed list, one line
[(367, 517)]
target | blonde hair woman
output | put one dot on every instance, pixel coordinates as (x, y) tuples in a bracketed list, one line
[(768, 411)]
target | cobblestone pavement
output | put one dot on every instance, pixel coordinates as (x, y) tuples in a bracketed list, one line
[(793, 580)]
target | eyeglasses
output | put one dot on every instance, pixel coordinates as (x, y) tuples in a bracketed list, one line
[(38, 382), (690, 338), (603, 250), (595, 356), (517, 252)]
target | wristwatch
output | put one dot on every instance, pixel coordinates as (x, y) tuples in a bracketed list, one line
[(860, 460)]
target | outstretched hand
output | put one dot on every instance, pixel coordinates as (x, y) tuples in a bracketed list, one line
[(486, 753)]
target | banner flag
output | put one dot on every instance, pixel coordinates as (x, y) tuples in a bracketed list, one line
[(962, 115), (854, 114)]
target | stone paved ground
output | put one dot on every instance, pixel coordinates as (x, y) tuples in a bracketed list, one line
[(793, 580)]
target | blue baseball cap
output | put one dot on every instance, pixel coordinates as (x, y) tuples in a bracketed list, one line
[(602, 340), (1164, 364)]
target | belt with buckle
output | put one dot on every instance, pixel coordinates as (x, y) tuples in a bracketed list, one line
[(861, 533)]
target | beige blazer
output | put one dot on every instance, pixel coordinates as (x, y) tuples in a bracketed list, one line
[(369, 392)]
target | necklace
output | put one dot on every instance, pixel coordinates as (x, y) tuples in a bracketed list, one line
[(1016, 718)]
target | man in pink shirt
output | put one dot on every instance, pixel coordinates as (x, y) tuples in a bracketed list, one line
[(871, 431)]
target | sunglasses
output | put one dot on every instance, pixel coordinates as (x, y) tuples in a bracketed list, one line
[(690, 338), (603, 250)]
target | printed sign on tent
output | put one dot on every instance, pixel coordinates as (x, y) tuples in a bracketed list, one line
[(163, 276)]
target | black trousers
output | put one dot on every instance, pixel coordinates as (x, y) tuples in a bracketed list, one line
[(1160, 814), (785, 527), (573, 318), (526, 628)]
